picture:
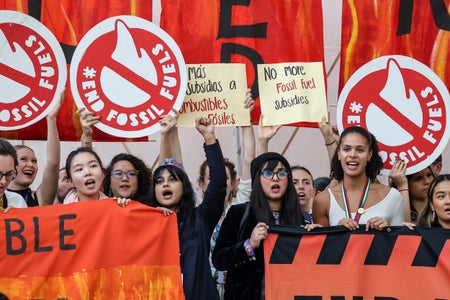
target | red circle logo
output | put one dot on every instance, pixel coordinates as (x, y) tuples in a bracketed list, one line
[(404, 104), (128, 71), (33, 70)]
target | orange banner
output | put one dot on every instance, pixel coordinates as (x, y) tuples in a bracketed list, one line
[(88, 250), (418, 29), (334, 263), (250, 32)]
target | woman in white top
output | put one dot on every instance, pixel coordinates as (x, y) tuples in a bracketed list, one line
[(355, 196)]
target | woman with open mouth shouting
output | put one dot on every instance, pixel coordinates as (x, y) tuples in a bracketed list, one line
[(238, 249), (355, 196), (84, 169)]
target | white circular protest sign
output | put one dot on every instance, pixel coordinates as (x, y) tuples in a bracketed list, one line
[(404, 104), (129, 72), (33, 70)]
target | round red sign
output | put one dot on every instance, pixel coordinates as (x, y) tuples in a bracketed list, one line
[(404, 104), (33, 70), (128, 71)]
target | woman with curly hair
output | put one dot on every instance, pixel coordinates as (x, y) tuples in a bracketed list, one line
[(355, 196)]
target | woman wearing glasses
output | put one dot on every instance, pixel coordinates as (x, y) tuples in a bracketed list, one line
[(355, 196), (127, 177), (238, 247), (8, 171)]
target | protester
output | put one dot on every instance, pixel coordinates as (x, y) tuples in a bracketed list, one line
[(127, 176), (64, 186), (413, 187), (173, 190), (355, 195), (239, 246), (303, 182), (8, 170), (238, 191), (437, 211), (84, 169), (27, 168)]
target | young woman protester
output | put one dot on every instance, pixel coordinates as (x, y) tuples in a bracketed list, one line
[(8, 170), (238, 190), (27, 168), (238, 249), (437, 211), (84, 169), (126, 176), (355, 195), (172, 192)]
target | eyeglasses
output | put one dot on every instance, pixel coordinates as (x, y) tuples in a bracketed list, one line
[(268, 174), (8, 175), (118, 174)]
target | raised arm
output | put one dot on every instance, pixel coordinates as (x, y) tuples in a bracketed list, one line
[(398, 180), (329, 136), (46, 191), (265, 133), (248, 140), (170, 142), (87, 120), (211, 208)]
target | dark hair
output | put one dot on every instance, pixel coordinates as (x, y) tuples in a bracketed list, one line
[(426, 216), (186, 206), (321, 183), (143, 177), (76, 152), (297, 167), (374, 165), (228, 164), (7, 149), (290, 213)]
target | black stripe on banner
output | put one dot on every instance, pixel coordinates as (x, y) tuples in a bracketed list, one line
[(381, 249), (430, 247), (333, 249)]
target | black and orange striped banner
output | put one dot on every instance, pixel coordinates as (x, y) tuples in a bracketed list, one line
[(89, 250), (334, 263)]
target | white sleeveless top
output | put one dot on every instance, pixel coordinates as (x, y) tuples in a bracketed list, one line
[(391, 209)]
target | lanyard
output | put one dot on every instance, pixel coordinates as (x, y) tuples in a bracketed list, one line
[(362, 202)]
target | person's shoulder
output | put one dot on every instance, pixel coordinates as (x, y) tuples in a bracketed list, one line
[(15, 199)]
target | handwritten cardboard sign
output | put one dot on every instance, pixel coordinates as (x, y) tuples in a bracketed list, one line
[(292, 92), (216, 91)]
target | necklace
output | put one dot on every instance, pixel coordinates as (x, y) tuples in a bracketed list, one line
[(362, 201)]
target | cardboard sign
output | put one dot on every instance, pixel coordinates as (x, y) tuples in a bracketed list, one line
[(33, 70), (129, 72), (335, 263), (216, 91), (404, 104), (292, 92)]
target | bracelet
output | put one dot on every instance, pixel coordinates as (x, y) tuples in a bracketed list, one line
[(331, 143), (85, 142), (403, 190)]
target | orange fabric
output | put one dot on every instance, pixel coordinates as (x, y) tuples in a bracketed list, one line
[(350, 276), (87, 249), (279, 31), (369, 30)]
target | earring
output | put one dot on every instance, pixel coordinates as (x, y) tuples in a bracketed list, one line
[(433, 217)]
